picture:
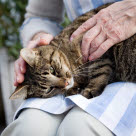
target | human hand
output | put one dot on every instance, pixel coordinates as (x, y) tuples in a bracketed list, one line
[(108, 27), (20, 65)]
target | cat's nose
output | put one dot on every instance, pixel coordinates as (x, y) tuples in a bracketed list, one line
[(67, 82)]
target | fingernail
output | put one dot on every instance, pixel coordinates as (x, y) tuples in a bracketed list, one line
[(43, 41), (71, 38)]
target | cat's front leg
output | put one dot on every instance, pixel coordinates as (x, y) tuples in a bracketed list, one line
[(97, 82), (95, 87), (87, 93), (72, 91)]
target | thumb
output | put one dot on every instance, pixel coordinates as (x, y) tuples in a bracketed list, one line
[(45, 39)]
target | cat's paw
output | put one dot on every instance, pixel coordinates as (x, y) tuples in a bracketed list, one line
[(71, 91), (86, 93)]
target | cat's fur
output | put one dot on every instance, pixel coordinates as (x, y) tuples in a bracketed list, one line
[(58, 67)]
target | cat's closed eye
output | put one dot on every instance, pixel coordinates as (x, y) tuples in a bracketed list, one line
[(45, 73)]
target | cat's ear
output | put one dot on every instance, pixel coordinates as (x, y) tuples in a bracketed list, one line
[(20, 92), (29, 55)]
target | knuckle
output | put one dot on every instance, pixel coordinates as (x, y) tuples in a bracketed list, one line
[(104, 47), (86, 39), (74, 34), (84, 27), (118, 33), (103, 20), (108, 27), (102, 11), (93, 45)]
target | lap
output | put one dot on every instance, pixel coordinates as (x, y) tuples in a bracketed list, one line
[(34, 122), (75, 123), (79, 123)]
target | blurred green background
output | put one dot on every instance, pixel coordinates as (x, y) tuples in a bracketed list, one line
[(11, 17)]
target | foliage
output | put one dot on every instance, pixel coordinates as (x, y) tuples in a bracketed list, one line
[(66, 21), (11, 17)]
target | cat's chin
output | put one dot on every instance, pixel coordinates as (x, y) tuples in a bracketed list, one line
[(71, 84)]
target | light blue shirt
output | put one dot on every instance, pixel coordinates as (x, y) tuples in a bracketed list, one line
[(115, 108), (76, 8)]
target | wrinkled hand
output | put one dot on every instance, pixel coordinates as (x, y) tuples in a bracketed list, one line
[(20, 64), (108, 27)]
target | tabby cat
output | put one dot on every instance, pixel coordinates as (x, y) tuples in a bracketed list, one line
[(58, 68)]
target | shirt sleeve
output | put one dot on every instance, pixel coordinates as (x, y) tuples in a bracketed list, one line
[(41, 16)]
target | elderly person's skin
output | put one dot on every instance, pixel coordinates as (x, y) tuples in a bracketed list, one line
[(108, 27)]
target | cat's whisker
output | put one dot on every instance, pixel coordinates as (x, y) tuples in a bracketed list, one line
[(59, 46), (81, 66), (77, 69), (78, 72), (78, 59), (81, 75), (86, 72), (81, 69)]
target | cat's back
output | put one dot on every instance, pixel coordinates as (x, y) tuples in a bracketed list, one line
[(125, 59)]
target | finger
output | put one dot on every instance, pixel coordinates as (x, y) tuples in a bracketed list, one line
[(97, 42), (15, 80), (87, 39), (22, 65), (19, 75), (45, 39), (102, 49), (33, 43), (84, 27)]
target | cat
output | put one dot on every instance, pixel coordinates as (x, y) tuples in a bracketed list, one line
[(58, 68)]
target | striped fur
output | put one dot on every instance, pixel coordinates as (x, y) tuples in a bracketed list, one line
[(117, 64)]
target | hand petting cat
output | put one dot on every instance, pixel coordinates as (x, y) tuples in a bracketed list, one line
[(40, 38), (108, 27)]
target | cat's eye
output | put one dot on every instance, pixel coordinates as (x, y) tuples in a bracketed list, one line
[(52, 70)]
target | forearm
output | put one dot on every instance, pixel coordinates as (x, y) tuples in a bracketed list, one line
[(41, 16)]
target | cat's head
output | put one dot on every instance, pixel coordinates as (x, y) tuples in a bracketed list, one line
[(50, 69)]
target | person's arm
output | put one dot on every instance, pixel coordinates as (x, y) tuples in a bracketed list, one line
[(41, 16)]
